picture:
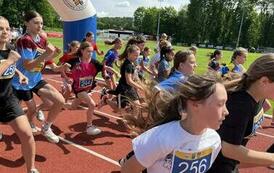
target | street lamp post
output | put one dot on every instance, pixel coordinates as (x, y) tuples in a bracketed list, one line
[(159, 17), (245, 3), (240, 29)]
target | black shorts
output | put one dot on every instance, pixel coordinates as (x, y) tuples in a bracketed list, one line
[(27, 95), (10, 109), (127, 96)]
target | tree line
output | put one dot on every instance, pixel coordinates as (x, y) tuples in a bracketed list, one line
[(14, 11), (215, 22)]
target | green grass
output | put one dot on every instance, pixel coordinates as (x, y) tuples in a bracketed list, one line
[(202, 55)]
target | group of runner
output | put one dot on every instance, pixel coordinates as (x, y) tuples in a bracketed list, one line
[(182, 121)]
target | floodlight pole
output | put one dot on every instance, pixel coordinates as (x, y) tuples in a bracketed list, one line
[(158, 24), (240, 29)]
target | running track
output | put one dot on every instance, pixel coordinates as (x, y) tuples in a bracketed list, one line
[(80, 153)]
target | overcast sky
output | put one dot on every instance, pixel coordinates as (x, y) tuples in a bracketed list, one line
[(126, 8)]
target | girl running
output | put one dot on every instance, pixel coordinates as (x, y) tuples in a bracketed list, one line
[(10, 110), (180, 134), (83, 73), (215, 58), (90, 38), (143, 63), (66, 87), (127, 87), (238, 59), (35, 51), (184, 65), (167, 55), (110, 58), (245, 106), (153, 66), (73, 48)]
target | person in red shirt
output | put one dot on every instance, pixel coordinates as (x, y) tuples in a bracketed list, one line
[(66, 89), (73, 47), (90, 38), (83, 71)]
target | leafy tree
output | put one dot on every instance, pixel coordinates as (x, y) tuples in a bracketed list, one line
[(139, 15)]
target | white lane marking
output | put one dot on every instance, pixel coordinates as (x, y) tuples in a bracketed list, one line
[(86, 149), (266, 135), (90, 152), (102, 113)]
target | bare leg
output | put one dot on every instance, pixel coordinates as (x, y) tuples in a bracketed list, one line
[(50, 93), (22, 129), (31, 112), (91, 105)]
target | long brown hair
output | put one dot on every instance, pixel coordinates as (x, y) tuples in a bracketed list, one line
[(262, 66), (180, 57), (163, 107), (132, 41), (83, 45), (238, 52)]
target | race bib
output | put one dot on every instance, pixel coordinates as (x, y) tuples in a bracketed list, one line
[(191, 162), (257, 121), (10, 71), (85, 82)]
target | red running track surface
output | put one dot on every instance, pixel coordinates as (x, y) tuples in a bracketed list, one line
[(81, 153)]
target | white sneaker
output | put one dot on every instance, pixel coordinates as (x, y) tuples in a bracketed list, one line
[(93, 130), (34, 128), (40, 116), (34, 171), (50, 135)]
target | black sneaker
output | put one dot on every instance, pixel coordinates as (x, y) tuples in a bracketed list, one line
[(103, 92)]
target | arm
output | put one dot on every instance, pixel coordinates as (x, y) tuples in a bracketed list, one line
[(47, 55), (59, 68), (247, 156), (117, 63), (132, 166), (99, 52), (266, 105), (22, 78), (12, 58), (147, 69), (109, 69), (131, 82), (68, 79), (4, 66), (166, 73)]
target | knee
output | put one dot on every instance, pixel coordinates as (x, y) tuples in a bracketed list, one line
[(60, 101), (26, 136)]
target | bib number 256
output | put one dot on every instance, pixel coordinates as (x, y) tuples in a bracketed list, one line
[(197, 166)]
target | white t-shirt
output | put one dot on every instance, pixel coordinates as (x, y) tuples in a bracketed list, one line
[(168, 148)]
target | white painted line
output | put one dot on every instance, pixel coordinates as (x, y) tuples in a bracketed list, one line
[(102, 113), (266, 135), (83, 148), (90, 152), (268, 116), (95, 112), (106, 114)]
